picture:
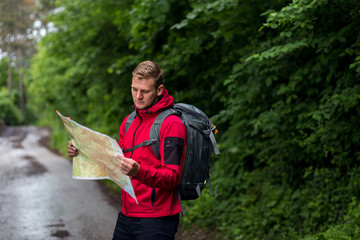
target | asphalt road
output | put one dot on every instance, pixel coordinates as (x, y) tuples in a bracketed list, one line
[(38, 197)]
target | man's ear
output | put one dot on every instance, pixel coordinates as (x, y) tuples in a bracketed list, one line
[(159, 90)]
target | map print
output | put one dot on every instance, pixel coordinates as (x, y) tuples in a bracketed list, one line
[(97, 155)]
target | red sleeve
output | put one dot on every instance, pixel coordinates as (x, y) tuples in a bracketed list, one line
[(168, 173)]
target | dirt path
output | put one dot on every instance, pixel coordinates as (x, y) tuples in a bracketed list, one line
[(38, 197)]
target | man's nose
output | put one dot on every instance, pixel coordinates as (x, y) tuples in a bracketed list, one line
[(139, 95)]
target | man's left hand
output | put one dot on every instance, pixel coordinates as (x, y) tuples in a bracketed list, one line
[(128, 166)]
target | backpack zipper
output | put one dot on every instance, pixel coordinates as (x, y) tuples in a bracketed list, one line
[(193, 113)]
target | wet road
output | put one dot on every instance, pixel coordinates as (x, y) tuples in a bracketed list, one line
[(38, 197)]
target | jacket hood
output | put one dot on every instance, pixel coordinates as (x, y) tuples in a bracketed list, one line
[(163, 102)]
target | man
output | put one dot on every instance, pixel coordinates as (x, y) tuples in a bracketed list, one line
[(154, 180)]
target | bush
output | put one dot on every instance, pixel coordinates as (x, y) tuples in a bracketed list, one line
[(9, 114)]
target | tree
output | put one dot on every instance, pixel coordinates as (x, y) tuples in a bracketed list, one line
[(18, 36)]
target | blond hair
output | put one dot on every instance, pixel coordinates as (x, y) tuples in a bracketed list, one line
[(148, 70)]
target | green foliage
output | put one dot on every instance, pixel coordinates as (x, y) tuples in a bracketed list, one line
[(9, 105), (70, 71), (292, 108), (280, 79), (3, 72), (9, 114), (348, 229)]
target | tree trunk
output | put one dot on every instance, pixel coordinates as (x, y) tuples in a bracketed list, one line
[(21, 78), (9, 71)]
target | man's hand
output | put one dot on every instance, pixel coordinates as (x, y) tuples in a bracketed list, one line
[(128, 166), (72, 150)]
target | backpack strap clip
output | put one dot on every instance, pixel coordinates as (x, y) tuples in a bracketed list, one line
[(144, 143)]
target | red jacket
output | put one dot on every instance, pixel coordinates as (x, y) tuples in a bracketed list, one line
[(156, 182)]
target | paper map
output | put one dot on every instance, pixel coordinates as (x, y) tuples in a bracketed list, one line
[(97, 156)]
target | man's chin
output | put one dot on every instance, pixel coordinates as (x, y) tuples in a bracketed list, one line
[(140, 107)]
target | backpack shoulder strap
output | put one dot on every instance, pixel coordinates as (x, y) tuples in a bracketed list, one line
[(154, 138), (129, 120), (155, 130)]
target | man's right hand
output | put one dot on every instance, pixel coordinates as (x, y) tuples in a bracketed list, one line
[(72, 150)]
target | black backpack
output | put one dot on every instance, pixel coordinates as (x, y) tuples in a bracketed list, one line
[(200, 142)]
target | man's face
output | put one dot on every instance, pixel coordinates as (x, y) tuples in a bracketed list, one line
[(144, 92)]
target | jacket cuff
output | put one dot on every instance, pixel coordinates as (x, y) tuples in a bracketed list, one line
[(141, 174)]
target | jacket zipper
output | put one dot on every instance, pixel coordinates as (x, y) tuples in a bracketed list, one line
[(133, 144), (153, 196), (153, 192), (132, 154)]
